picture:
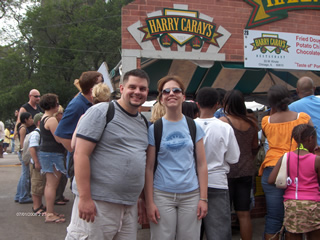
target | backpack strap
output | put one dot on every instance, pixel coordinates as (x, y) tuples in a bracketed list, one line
[(22, 127), (145, 120), (193, 132), (110, 113), (37, 130), (158, 126)]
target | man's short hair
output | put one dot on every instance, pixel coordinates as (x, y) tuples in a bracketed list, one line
[(87, 80), (207, 97), (136, 73)]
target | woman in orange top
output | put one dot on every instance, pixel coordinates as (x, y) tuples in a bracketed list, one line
[(278, 129)]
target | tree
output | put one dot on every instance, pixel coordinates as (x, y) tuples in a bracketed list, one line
[(8, 7), (60, 40)]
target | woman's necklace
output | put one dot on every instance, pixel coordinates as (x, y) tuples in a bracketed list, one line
[(301, 147)]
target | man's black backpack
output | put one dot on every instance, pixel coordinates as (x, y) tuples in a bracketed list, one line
[(158, 126)]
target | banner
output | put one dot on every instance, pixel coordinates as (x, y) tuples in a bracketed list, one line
[(266, 11), (277, 50)]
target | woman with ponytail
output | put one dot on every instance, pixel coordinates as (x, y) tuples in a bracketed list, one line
[(302, 196), (278, 129)]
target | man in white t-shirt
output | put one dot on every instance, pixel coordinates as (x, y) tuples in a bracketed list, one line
[(222, 149)]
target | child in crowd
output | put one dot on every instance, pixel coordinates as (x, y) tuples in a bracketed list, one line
[(302, 196), (38, 181)]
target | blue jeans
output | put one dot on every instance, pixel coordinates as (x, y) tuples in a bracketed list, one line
[(23, 188), (12, 145), (274, 201), (217, 223)]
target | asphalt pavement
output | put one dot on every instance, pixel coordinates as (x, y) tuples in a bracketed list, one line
[(17, 221)]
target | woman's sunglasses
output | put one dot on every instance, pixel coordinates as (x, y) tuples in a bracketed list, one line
[(174, 90)]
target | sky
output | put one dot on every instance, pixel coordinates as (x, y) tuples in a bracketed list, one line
[(8, 26)]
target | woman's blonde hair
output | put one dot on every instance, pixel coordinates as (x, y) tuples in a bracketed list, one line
[(100, 93), (157, 112), (60, 110)]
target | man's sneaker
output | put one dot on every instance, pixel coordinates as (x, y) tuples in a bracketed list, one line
[(5, 153)]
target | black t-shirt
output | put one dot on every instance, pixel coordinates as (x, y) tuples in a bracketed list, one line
[(33, 112)]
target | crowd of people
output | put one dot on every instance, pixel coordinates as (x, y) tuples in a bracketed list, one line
[(183, 172)]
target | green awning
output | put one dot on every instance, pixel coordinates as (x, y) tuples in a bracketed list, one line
[(228, 75)]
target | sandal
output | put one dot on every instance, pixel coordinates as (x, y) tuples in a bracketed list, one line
[(55, 219), (65, 199), (40, 211)]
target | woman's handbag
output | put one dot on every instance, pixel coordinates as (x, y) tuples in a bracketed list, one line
[(282, 177)]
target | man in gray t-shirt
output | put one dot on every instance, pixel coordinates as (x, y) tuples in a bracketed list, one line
[(109, 165)]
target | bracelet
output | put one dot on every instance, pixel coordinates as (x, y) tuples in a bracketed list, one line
[(204, 199)]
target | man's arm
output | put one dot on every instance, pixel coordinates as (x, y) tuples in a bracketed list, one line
[(34, 156), (66, 143), (86, 206)]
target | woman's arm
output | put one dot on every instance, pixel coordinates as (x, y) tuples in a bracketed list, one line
[(202, 170), (273, 175), (317, 167), (22, 133), (152, 210)]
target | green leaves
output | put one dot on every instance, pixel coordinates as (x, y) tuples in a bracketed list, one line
[(60, 40)]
